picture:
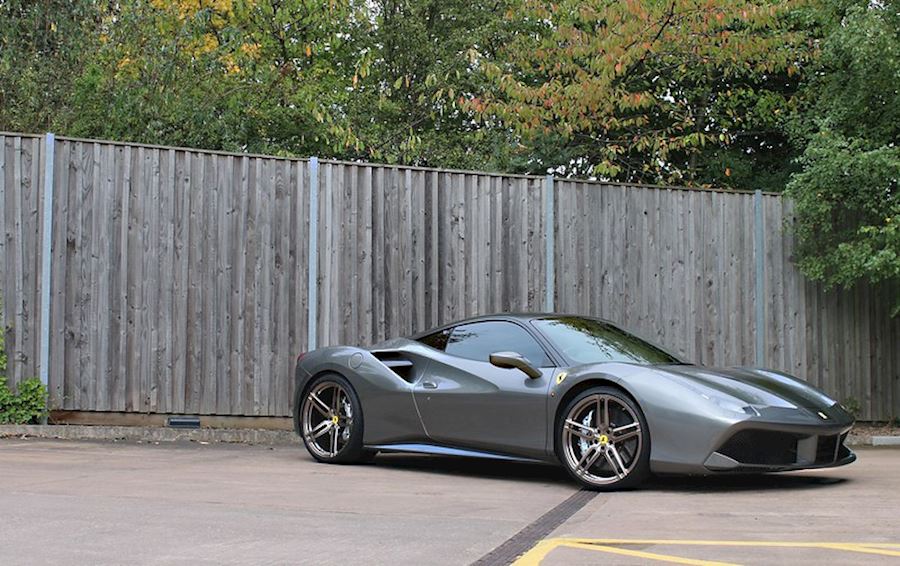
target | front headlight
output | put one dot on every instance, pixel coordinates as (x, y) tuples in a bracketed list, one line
[(730, 404)]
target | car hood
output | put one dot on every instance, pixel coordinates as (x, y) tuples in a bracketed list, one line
[(756, 387)]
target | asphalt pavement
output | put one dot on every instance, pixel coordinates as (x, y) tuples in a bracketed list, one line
[(76, 502)]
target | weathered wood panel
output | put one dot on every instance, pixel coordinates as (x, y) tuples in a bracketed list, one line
[(179, 280), (21, 185), (404, 250)]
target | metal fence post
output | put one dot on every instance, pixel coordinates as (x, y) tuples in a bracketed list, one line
[(760, 248), (313, 256), (46, 250), (549, 244)]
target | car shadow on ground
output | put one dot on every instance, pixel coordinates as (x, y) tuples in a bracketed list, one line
[(544, 473), (743, 482), (474, 467)]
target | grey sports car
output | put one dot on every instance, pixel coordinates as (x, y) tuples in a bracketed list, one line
[(575, 390)]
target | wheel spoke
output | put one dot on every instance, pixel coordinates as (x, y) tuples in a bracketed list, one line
[(615, 462), (336, 401), (603, 413), (335, 433), (319, 405), (321, 428), (580, 430), (585, 455), (588, 458), (625, 432)]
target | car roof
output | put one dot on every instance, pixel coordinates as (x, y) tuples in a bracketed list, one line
[(516, 317)]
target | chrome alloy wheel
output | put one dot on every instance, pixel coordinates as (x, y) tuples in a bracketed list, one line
[(602, 439), (327, 419)]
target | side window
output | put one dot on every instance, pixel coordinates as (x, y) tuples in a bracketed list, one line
[(477, 341), (438, 340)]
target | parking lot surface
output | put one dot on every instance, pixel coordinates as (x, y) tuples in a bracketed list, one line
[(68, 502)]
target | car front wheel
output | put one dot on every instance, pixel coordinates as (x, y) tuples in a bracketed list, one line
[(603, 441)]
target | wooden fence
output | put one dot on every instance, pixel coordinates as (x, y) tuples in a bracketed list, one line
[(179, 278)]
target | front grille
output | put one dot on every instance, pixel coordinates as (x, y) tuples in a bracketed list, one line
[(826, 449), (762, 448), (843, 451)]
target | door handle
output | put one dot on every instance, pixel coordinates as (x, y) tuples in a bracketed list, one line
[(429, 385)]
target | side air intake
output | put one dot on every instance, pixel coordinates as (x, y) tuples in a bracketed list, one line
[(398, 363)]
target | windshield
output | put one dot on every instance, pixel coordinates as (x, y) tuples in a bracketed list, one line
[(591, 341)]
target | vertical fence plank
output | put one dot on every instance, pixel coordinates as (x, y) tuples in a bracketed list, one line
[(250, 299), (365, 250), (22, 186), (224, 254), (6, 189), (102, 265), (313, 256), (326, 260), (349, 315)]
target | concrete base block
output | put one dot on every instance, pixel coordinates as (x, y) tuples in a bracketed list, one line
[(149, 434)]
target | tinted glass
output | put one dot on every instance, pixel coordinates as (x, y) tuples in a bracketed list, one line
[(438, 340), (587, 341), (477, 341)]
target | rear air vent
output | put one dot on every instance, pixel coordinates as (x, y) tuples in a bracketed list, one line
[(398, 363)]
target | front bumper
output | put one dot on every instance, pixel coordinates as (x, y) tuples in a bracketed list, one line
[(774, 440), (769, 450)]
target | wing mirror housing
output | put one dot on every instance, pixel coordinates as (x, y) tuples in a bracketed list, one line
[(514, 360)]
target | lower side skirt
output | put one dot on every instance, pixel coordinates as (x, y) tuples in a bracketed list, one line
[(446, 451)]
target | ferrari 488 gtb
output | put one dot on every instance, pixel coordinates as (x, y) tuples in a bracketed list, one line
[(578, 391)]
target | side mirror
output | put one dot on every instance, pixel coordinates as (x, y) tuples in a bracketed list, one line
[(513, 360)]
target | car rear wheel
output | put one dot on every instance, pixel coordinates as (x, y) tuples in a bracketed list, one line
[(603, 441), (331, 421)]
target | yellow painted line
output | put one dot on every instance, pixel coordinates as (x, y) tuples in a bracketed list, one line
[(863, 548), (537, 553), (761, 543), (879, 544), (540, 551), (646, 555)]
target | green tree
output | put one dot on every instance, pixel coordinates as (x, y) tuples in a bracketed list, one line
[(847, 195), (348, 79), (246, 75), (405, 110), (682, 91), (44, 45)]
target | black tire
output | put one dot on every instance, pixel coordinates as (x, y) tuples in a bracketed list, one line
[(350, 443), (590, 451)]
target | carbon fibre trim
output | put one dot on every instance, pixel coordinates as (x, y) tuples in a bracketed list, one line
[(446, 451)]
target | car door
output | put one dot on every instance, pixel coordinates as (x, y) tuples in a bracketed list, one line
[(465, 401)]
